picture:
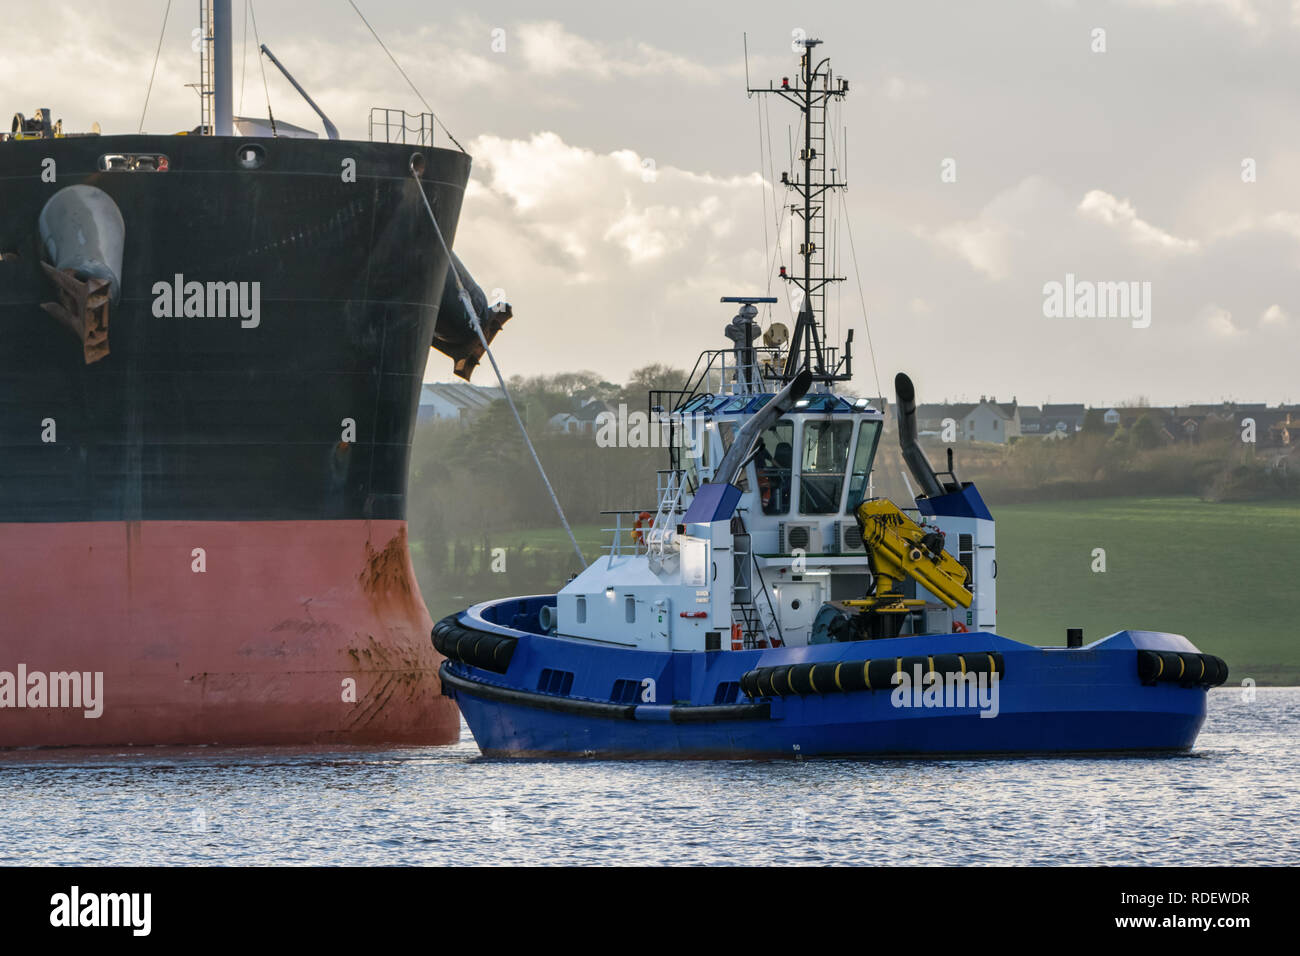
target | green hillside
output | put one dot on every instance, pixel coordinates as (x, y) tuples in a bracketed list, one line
[(1222, 574)]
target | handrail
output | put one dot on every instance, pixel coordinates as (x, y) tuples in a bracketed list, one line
[(393, 123)]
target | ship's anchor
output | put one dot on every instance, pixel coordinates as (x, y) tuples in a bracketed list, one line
[(83, 235), (82, 307)]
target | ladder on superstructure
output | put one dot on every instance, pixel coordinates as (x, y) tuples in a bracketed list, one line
[(757, 628), (206, 86)]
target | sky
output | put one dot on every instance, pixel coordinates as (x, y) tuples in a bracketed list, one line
[(622, 183)]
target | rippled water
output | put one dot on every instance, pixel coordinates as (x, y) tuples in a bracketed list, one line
[(1232, 801)]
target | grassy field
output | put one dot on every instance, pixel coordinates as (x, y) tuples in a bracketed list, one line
[(1222, 574)]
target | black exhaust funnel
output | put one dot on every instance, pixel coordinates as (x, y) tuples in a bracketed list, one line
[(917, 463)]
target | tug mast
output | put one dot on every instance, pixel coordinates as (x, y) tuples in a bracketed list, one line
[(813, 90)]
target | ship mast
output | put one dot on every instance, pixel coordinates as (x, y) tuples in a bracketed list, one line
[(813, 90), (216, 73), (222, 72)]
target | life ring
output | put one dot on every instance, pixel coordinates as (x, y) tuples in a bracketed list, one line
[(959, 628), (644, 521)]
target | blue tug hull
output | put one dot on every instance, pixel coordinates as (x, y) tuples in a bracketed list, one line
[(559, 697)]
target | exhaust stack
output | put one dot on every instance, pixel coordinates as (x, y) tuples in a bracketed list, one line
[(917, 463)]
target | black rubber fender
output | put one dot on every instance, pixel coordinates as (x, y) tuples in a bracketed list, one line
[(482, 649), (678, 713), (1216, 671), (1185, 668), (800, 679), (846, 677), (878, 674), (822, 678)]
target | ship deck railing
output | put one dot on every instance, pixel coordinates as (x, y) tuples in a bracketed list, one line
[(670, 489), (616, 545), (398, 126), (722, 372)]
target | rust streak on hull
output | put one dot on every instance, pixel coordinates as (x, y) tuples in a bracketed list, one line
[(257, 649)]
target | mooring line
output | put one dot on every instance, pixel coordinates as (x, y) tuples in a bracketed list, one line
[(478, 329)]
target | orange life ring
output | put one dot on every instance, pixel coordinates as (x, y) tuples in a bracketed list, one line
[(959, 628), (644, 521)]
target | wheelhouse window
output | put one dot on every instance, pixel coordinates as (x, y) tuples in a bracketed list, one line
[(773, 461), (692, 438), (824, 462), (864, 454)]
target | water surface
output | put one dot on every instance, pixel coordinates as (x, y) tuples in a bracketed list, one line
[(1233, 800)]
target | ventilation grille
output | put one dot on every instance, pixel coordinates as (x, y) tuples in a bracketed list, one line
[(801, 537), (555, 681), (626, 691), (850, 535)]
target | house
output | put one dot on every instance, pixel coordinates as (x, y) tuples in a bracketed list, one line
[(454, 401), (1273, 426), (986, 421), (931, 418), (1031, 419), (582, 420), (991, 421), (566, 422), (1286, 429), (1067, 419)]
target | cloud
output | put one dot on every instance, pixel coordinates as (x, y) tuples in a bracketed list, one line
[(983, 245), (550, 49), (1219, 321), (1274, 317), (988, 243), (553, 185), (1101, 206), (583, 239)]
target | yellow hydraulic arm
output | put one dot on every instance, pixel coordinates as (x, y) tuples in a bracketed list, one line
[(900, 548)]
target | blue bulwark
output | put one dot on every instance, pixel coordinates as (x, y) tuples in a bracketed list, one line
[(966, 503), (713, 503)]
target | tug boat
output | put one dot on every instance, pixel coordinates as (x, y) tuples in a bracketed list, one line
[(769, 606)]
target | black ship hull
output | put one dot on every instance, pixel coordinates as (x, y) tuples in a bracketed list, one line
[(209, 510), (202, 417)]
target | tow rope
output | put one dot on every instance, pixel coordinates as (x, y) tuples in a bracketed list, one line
[(478, 330)]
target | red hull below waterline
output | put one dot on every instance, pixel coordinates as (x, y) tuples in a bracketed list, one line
[(217, 632)]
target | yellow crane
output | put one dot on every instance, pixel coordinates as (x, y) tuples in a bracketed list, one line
[(900, 548)]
